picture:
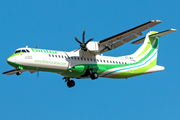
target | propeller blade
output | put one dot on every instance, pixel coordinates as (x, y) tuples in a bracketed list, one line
[(77, 40), (89, 41), (83, 36), (83, 43)]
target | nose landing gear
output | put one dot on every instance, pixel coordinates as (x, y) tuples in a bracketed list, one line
[(18, 73)]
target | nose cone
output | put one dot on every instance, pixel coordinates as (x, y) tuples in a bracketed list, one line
[(10, 60)]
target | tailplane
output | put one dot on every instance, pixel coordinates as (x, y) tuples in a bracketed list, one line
[(149, 49)]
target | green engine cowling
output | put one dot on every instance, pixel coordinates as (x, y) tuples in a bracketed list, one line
[(78, 68)]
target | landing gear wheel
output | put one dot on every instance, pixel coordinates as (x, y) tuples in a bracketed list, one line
[(71, 83), (18, 73), (94, 75)]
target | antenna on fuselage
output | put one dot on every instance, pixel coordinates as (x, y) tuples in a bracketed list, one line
[(37, 74), (36, 46)]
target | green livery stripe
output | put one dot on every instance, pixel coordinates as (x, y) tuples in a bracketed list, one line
[(151, 51), (15, 55), (62, 72), (135, 72), (140, 61), (151, 39)]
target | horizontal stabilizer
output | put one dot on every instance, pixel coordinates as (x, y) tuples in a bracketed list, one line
[(159, 34)]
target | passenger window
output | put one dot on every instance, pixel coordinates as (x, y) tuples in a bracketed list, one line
[(75, 58), (97, 60), (59, 56), (81, 58), (122, 63), (85, 59), (49, 55), (62, 56), (110, 61), (113, 62), (71, 57), (65, 56), (104, 61), (52, 55), (100, 60), (119, 62), (94, 60), (107, 61), (27, 50), (116, 62), (56, 56), (78, 58)]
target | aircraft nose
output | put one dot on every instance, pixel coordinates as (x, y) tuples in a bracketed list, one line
[(10, 59)]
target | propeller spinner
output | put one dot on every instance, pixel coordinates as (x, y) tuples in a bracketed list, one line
[(83, 44)]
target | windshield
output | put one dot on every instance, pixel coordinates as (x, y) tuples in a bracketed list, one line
[(23, 50), (17, 51)]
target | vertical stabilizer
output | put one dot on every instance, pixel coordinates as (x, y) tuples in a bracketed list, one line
[(148, 50)]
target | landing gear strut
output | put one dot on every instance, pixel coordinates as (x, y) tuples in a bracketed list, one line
[(70, 83), (18, 71)]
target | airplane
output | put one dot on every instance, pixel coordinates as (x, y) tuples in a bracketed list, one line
[(88, 61)]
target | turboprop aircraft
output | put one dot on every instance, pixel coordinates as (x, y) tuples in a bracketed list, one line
[(87, 61)]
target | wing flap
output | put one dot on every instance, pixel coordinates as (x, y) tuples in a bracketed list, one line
[(121, 42), (130, 32), (139, 41)]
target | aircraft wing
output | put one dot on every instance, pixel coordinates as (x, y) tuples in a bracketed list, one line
[(124, 37), (12, 72)]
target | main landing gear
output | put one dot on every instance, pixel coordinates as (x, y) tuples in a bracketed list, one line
[(89, 72), (70, 83), (93, 75)]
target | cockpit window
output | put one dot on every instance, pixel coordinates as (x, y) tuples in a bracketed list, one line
[(23, 50), (17, 51)]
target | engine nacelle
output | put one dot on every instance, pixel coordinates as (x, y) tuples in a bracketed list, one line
[(94, 46)]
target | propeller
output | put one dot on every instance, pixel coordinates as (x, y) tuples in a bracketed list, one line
[(83, 43)]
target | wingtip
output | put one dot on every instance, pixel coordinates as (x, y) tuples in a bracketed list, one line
[(173, 30), (157, 21)]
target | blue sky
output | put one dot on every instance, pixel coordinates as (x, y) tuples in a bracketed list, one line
[(53, 25)]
